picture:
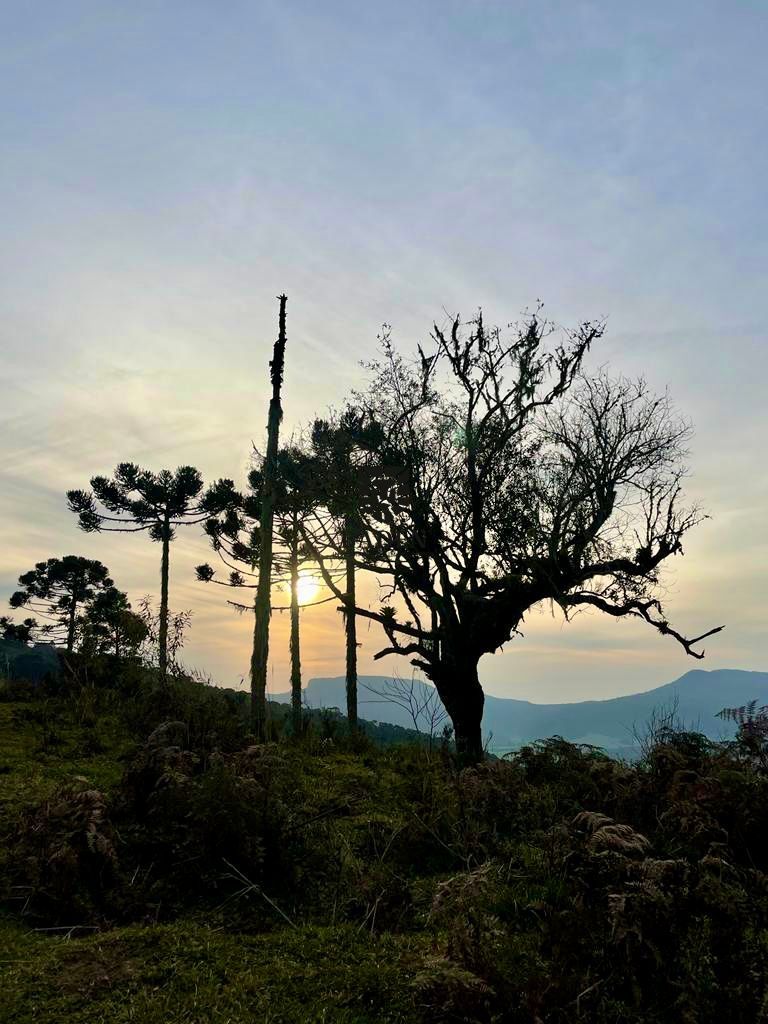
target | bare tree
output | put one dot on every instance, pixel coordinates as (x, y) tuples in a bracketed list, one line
[(419, 700), (177, 625), (508, 477)]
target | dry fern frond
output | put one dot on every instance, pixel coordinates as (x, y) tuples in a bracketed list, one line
[(619, 838), (463, 890), (661, 870), (451, 992), (590, 821)]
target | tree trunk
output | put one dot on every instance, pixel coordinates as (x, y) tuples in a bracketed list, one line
[(71, 625), (350, 623), (262, 604), (459, 688), (295, 643), (164, 574)]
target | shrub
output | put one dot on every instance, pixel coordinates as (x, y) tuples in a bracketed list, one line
[(64, 855)]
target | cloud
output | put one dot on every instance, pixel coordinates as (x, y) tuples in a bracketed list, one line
[(378, 164)]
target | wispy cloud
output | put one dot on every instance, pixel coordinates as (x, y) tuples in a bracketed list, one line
[(378, 163)]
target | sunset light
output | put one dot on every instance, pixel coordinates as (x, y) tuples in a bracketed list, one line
[(307, 588)]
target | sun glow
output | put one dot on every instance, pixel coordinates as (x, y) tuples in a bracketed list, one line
[(307, 587)]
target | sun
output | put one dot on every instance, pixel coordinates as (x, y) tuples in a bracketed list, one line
[(307, 588)]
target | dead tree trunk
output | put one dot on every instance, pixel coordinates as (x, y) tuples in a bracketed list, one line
[(262, 604)]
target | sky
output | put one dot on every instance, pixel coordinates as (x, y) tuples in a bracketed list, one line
[(167, 169)]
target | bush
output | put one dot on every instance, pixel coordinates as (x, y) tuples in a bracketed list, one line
[(64, 857), (554, 885)]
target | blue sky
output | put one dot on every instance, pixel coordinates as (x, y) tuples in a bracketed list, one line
[(168, 168)]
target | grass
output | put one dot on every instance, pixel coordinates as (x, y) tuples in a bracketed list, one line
[(187, 972), (38, 754), (378, 884)]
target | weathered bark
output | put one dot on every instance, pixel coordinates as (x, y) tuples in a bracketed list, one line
[(262, 604), (164, 574), (295, 639), (458, 685), (350, 623)]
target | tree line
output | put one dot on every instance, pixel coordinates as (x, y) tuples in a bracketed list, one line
[(487, 473)]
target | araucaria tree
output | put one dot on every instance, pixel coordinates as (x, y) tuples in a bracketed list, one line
[(511, 476), (235, 536), (111, 627), (18, 632), (345, 469), (59, 591), (137, 500)]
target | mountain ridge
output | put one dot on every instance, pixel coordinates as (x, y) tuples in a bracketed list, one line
[(612, 722)]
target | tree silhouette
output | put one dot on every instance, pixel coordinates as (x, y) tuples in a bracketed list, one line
[(136, 500), (20, 632), (343, 484), (296, 499), (235, 536), (515, 478), (262, 604), (178, 624), (57, 590), (110, 626)]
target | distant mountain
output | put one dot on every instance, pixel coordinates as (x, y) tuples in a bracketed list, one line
[(19, 662), (699, 695)]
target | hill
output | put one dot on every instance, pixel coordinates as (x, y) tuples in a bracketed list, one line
[(698, 696), (17, 661)]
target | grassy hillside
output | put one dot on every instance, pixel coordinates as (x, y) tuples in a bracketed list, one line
[(157, 866)]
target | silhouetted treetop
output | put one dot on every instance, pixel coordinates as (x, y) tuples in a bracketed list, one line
[(234, 533), (21, 632), (136, 499), (111, 626), (58, 589)]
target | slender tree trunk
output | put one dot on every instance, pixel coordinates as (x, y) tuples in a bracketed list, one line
[(262, 604), (350, 623), (71, 626), (295, 642), (164, 574), (458, 685)]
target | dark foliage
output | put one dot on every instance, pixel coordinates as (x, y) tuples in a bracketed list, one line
[(556, 884), (58, 591), (137, 500)]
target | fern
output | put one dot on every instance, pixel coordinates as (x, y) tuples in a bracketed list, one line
[(748, 716), (753, 728)]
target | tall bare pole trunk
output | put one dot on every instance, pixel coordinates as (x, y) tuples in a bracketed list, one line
[(295, 639), (350, 623), (164, 574), (262, 605)]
